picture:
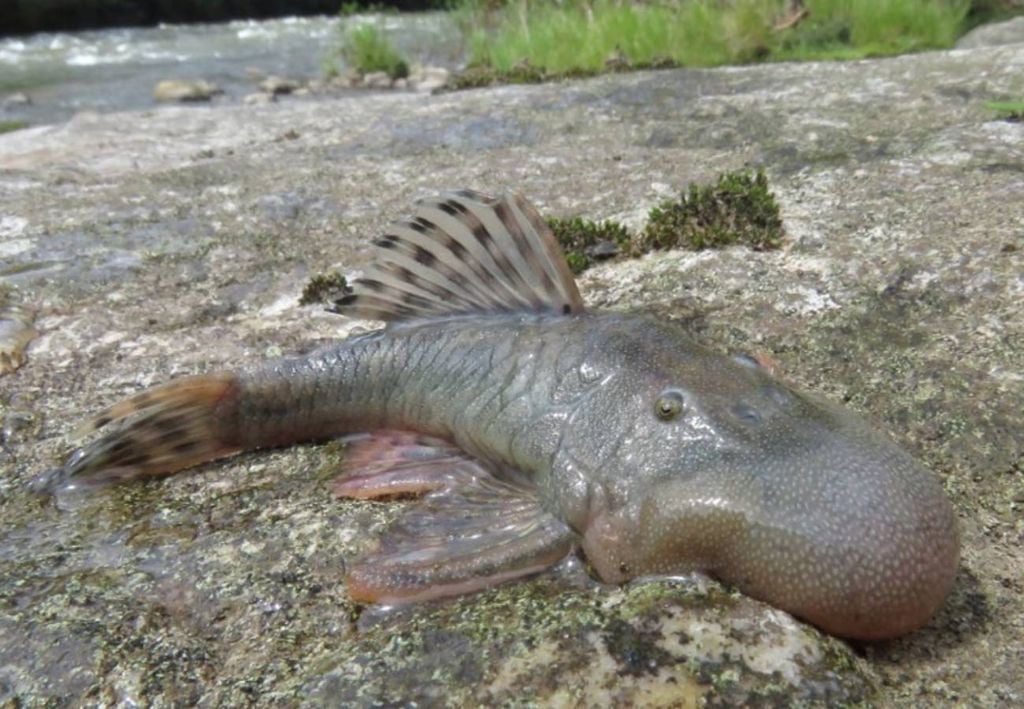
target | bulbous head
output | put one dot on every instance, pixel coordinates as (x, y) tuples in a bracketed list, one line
[(702, 462)]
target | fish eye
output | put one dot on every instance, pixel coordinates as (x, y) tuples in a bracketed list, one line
[(669, 404)]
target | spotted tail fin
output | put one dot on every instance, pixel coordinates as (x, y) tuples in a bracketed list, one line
[(159, 431)]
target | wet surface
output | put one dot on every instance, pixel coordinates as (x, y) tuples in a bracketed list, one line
[(897, 291), (116, 69)]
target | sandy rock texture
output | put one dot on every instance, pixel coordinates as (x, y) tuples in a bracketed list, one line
[(175, 241)]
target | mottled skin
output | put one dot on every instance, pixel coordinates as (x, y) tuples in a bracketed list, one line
[(792, 499)]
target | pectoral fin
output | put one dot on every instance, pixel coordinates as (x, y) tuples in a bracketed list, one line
[(474, 526)]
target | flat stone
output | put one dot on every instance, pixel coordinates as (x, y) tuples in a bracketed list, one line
[(183, 90)]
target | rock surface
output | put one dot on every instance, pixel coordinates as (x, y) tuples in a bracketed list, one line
[(178, 240), (997, 33)]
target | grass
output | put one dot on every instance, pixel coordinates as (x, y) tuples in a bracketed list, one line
[(1007, 110), (589, 36), (10, 126), (365, 49)]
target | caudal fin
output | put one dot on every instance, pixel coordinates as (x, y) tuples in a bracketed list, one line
[(160, 431)]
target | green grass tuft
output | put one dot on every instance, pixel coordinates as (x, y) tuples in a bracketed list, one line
[(367, 50), (585, 242), (1007, 110), (600, 35), (738, 208), (11, 126)]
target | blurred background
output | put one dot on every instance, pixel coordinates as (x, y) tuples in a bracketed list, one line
[(60, 57)]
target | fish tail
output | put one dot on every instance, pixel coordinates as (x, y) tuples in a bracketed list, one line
[(159, 431)]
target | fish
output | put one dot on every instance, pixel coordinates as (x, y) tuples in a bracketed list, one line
[(529, 428)]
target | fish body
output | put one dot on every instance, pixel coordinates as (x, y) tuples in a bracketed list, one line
[(530, 427)]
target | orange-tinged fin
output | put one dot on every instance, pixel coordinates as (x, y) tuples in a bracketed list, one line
[(465, 252), (474, 527), (160, 431), (393, 463)]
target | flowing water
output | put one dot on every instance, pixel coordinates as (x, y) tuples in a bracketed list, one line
[(116, 69)]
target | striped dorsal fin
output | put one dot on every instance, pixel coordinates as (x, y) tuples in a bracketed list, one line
[(465, 252)]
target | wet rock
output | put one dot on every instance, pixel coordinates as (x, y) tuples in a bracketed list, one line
[(995, 34), (19, 98), (184, 90), (603, 250), (175, 241), (428, 78), (376, 80), (277, 85), (259, 99), (657, 644)]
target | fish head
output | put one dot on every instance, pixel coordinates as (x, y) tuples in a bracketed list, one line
[(720, 468)]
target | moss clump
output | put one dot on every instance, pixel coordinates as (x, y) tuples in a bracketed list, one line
[(737, 209), (367, 50), (524, 72), (585, 242), (1012, 111), (324, 288)]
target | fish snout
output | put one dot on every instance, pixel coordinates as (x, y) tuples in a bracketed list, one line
[(861, 542)]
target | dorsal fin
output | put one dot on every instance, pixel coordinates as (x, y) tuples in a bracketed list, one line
[(465, 252)]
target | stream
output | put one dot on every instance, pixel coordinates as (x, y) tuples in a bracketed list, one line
[(116, 69)]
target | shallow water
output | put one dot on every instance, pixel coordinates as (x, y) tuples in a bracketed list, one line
[(116, 69)]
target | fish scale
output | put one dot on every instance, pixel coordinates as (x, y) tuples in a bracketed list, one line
[(531, 428)]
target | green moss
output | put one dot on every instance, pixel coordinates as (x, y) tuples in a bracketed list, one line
[(11, 126), (1007, 110), (738, 209), (324, 288), (585, 241), (524, 72)]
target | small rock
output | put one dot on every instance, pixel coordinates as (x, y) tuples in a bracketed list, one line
[(19, 98), (377, 80), (279, 85), (617, 61), (259, 99), (341, 82), (429, 78), (604, 249), (400, 84), (185, 90), (302, 91), (994, 34)]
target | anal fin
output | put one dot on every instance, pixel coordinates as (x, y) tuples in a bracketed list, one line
[(474, 526)]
